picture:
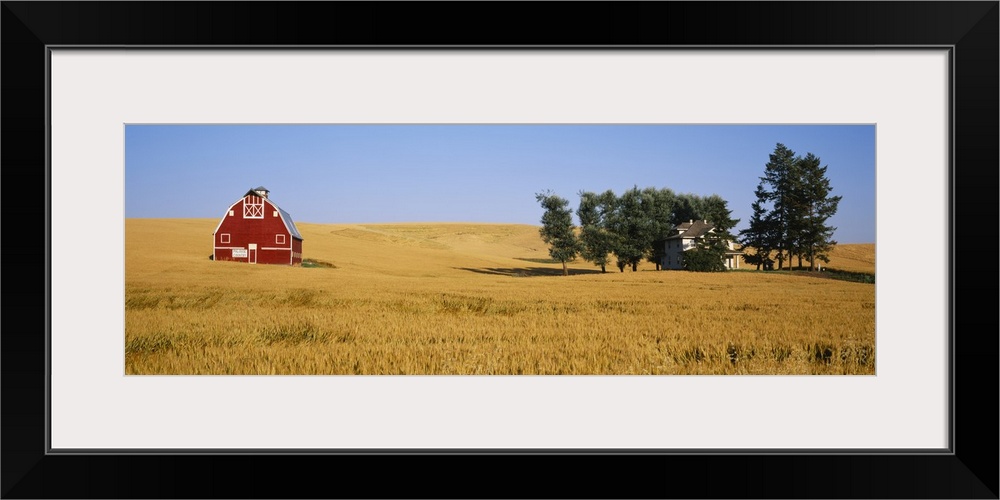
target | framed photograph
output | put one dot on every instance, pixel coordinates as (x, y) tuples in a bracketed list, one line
[(131, 124)]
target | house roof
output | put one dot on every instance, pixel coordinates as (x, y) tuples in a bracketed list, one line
[(692, 229), (286, 218)]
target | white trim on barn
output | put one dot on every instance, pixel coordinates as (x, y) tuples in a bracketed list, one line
[(253, 207), (255, 203), (230, 211), (286, 219)]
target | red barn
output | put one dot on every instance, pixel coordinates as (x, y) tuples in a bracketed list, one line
[(257, 231)]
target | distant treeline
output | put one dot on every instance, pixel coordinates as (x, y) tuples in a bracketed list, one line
[(626, 226), (790, 213)]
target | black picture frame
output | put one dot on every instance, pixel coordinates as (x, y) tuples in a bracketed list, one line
[(969, 470)]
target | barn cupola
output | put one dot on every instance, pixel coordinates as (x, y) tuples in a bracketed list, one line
[(261, 191)]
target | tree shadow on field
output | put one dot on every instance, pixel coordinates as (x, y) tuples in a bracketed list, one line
[(526, 272)]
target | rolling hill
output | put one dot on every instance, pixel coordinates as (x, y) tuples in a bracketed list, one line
[(404, 249)]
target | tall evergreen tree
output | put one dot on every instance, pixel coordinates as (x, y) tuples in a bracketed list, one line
[(780, 173), (817, 206), (760, 237), (557, 228), (798, 193)]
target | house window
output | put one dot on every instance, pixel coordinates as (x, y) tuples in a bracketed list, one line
[(231, 213), (279, 239), (253, 207), (224, 238), (275, 213)]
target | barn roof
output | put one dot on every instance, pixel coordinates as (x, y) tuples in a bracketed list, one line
[(289, 223), (286, 218)]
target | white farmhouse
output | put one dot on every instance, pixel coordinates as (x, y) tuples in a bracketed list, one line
[(683, 238)]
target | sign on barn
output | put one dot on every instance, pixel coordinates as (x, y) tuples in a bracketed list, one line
[(257, 231)]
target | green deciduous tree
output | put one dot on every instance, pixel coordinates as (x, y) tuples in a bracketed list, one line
[(660, 209), (687, 207), (597, 241), (557, 228), (632, 227), (715, 210), (713, 245), (705, 257)]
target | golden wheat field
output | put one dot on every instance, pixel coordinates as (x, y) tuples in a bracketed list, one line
[(475, 299)]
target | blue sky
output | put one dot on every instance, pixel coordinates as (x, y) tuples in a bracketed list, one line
[(476, 173)]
